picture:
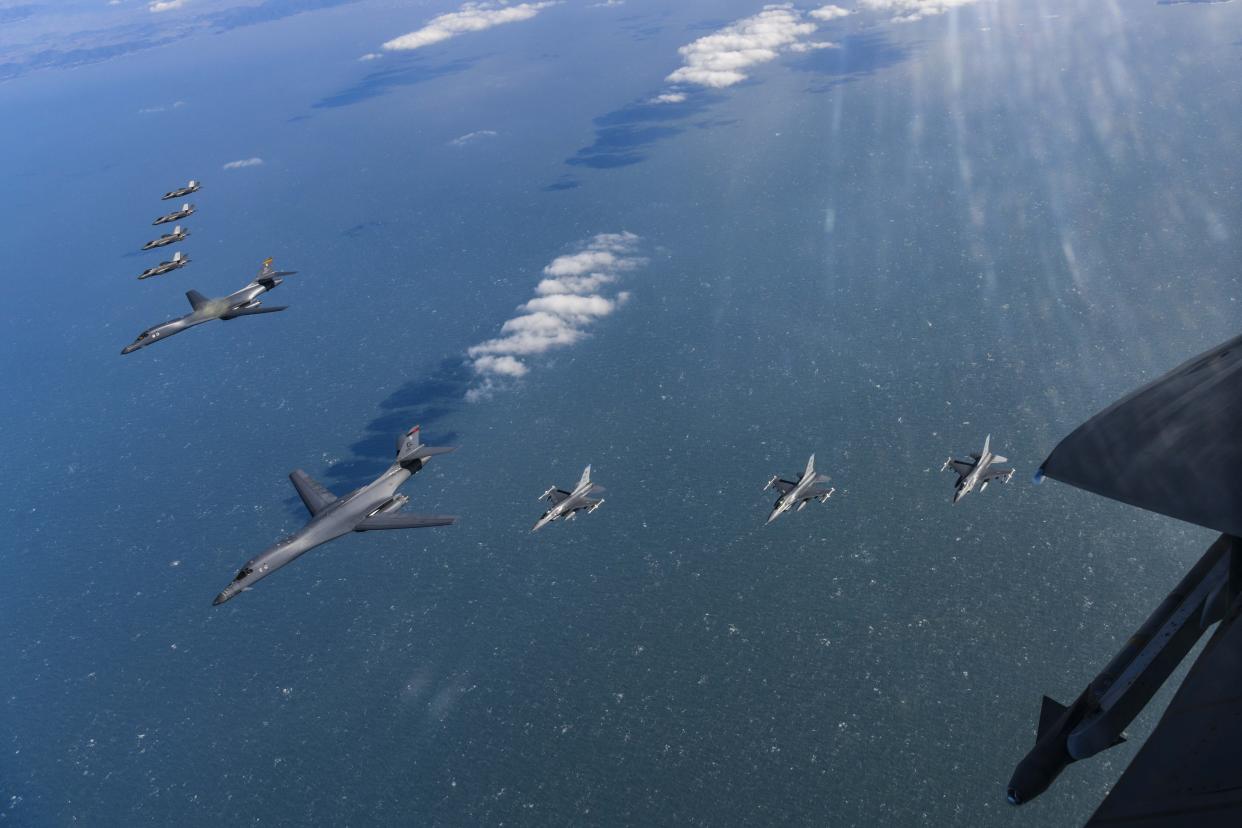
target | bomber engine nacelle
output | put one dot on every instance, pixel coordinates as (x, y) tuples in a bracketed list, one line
[(393, 505)]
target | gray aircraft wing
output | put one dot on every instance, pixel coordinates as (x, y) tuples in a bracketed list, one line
[(784, 486), (992, 474), (961, 467), (1189, 772), (557, 495), (1171, 447), (314, 495), (398, 520)]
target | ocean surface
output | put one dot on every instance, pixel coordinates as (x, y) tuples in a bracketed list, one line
[(995, 220)]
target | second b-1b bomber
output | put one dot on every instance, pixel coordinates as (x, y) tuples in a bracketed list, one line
[(374, 506), (243, 302)]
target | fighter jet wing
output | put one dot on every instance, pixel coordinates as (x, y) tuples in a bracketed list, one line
[(399, 520), (557, 495), (783, 486), (1189, 773), (314, 495), (961, 467), (993, 474)]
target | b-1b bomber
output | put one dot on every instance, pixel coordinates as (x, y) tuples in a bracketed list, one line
[(566, 504), (182, 192), (178, 234), (244, 302), (798, 493), (187, 209), (374, 506), (178, 261)]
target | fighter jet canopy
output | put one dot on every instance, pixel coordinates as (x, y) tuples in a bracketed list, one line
[(1172, 447)]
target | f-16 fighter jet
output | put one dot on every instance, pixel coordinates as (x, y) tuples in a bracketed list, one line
[(977, 471), (374, 506), (798, 494), (187, 209), (178, 260), (244, 302), (567, 504), (182, 192), (178, 234)]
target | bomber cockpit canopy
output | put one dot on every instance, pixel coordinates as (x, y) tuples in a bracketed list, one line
[(246, 571)]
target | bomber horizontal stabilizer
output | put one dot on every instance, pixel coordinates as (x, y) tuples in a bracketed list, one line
[(398, 520)]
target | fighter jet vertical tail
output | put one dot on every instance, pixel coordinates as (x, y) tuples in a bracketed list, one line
[(586, 477), (987, 443), (810, 466)]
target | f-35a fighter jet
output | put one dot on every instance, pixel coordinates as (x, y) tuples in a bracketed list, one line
[(182, 192), (798, 494), (567, 504), (187, 209), (178, 234), (374, 506), (977, 471), (244, 302), (179, 260)]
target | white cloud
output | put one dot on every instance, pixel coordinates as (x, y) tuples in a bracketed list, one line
[(907, 11), (147, 110), (471, 137), (829, 12), (245, 162), (371, 56), (568, 299), (722, 58), (165, 5), (472, 17), (669, 97)]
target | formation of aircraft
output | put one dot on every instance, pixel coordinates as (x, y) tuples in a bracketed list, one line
[(1150, 449)]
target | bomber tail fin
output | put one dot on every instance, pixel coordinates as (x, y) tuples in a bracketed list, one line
[(410, 448)]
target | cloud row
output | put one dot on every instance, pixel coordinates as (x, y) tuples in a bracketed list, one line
[(471, 17), (908, 11), (575, 291), (721, 59), (245, 162), (164, 5)]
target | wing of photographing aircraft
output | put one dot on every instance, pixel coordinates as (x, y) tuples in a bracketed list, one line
[(313, 494), (1171, 447), (1189, 772)]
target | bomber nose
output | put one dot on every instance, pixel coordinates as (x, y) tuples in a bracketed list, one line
[(221, 598), (128, 349)]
